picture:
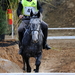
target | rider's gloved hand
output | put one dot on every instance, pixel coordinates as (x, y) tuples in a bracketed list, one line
[(21, 16)]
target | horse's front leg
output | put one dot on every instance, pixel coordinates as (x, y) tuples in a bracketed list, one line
[(28, 65), (23, 63), (38, 62)]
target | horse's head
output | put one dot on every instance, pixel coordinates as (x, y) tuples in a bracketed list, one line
[(35, 26)]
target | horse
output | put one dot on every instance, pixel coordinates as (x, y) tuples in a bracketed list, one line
[(34, 46)]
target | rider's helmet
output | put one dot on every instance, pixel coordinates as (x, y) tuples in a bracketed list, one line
[(29, 0)]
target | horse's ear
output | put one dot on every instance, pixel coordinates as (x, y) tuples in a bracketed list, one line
[(38, 14), (31, 13)]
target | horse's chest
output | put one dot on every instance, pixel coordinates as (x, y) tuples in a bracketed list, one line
[(32, 50)]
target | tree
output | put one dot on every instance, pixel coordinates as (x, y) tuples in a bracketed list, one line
[(4, 4), (3, 24), (11, 4)]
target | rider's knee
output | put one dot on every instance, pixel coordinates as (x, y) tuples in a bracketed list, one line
[(21, 27), (20, 30), (44, 25)]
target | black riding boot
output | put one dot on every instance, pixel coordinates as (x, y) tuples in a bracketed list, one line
[(20, 49), (45, 45), (45, 32), (20, 43)]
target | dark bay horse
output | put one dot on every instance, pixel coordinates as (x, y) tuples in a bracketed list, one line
[(33, 47)]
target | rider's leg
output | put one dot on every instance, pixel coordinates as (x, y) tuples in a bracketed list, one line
[(44, 27), (20, 42), (20, 35)]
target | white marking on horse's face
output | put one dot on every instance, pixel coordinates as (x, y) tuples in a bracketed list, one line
[(35, 36), (35, 26)]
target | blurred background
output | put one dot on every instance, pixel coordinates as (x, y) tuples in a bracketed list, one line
[(57, 13)]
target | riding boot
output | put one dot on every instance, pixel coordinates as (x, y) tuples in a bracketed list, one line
[(45, 32), (20, 49), (20, 43), (45, 46)]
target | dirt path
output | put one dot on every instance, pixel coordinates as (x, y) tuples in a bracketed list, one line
[(61, 58)]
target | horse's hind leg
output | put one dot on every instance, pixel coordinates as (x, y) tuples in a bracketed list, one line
[(27, 63), (38, 62)]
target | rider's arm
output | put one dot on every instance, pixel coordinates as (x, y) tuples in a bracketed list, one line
[(19, 9), (39, 7)]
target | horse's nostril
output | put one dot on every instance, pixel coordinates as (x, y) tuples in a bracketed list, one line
[(35, 41)]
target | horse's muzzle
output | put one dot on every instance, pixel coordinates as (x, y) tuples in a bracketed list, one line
[(35, 41)]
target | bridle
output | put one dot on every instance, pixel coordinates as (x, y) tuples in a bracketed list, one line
[(35, 29)]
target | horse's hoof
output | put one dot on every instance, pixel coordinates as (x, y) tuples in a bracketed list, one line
[(28, 71), (35, 70), (23, 68)]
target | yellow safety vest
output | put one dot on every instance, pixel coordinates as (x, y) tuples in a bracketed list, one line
[(28, 6)]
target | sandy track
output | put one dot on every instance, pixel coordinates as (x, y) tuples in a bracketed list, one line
[(61, 58)]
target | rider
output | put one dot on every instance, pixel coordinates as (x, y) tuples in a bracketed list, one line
[(23, 11)]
